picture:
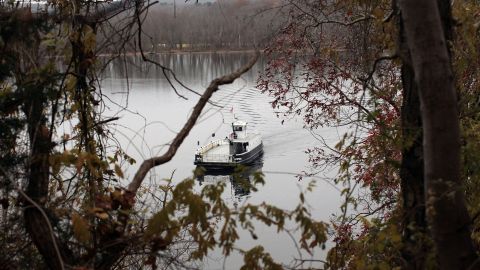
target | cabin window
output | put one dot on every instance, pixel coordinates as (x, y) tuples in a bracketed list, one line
[(240, 148), (237, 128)]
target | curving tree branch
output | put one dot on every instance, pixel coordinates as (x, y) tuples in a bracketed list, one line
[(148, 164)]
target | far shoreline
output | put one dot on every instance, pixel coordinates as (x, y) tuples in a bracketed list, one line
[(177, 51)]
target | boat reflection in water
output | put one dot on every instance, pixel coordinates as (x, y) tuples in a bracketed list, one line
[(242, 180)]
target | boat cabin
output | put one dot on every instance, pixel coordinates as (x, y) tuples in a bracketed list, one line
[(239, 130), (238, 142)]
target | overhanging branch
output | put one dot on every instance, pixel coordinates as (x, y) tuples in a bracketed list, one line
[(148, 164)]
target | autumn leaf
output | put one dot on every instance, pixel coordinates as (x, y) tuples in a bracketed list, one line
[(70, 83), (118, 171), (79, 164), (102, 215), (81, 229), (89, 38)]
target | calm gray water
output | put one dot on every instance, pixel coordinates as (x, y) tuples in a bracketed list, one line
[(151, 113)]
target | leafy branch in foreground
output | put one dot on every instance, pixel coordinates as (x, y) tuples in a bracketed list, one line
[(210, 223)]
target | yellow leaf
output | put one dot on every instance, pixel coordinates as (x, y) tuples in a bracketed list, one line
[(89, 38), (81, 229), (70, 83), (97, 210), (378, 13), (116, 195), (102, 215), (118, 171)]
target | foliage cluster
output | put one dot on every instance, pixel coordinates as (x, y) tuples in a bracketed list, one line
[(341, 63)]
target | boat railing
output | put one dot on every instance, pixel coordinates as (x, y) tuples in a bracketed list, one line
[(210, 145)]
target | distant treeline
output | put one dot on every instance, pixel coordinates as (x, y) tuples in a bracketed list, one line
[(219, 25)]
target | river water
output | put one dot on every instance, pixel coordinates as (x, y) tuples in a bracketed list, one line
[(151, 113)]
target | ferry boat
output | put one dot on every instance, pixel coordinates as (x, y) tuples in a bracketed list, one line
[(240, 147)]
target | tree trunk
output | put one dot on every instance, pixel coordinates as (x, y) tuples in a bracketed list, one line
[(36, 223), (414, 225), (445, 204)]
